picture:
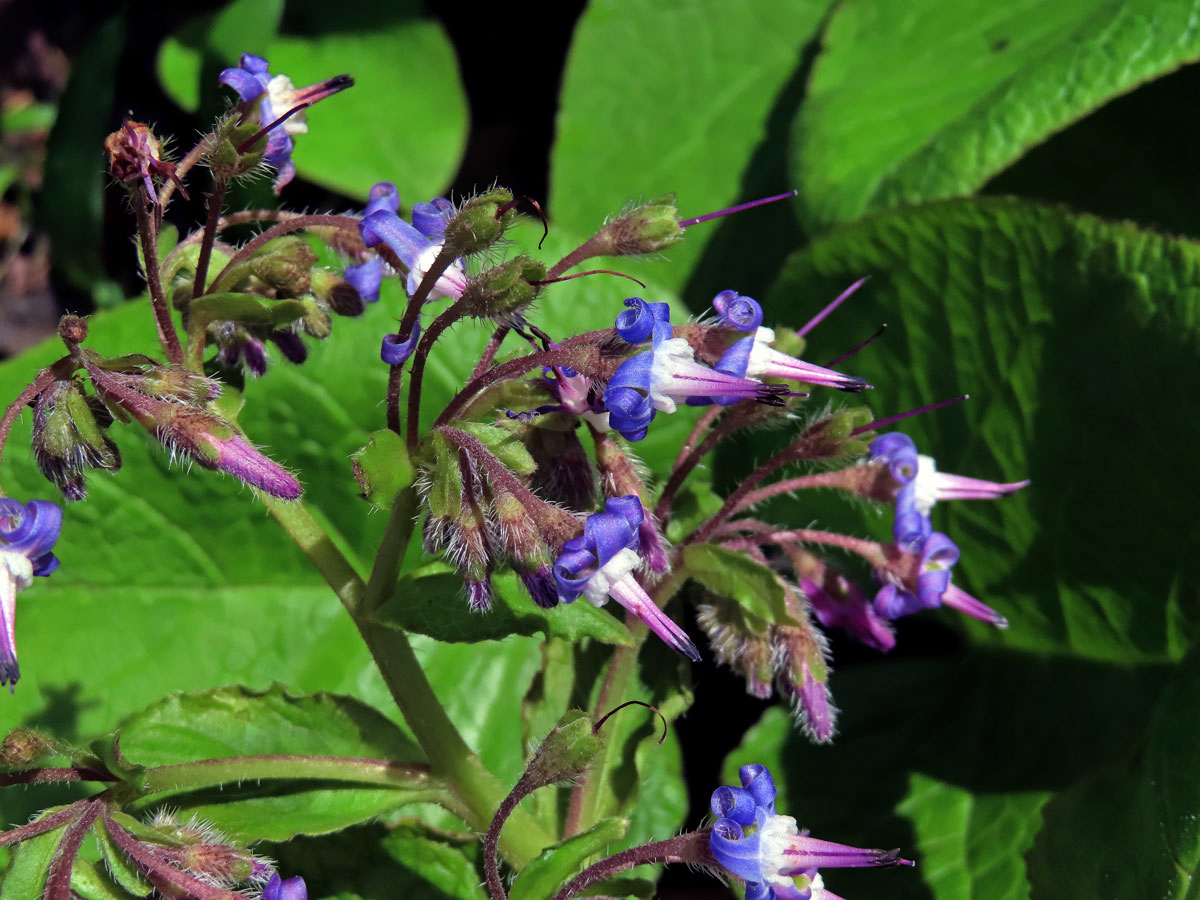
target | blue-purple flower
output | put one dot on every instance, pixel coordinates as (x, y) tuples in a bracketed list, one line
[(600, 564), (754, 357), (285, 888), (417, 245), (919, 486), (366, 277), (769, 852), (28, 532), (656, 380), (252, 79)]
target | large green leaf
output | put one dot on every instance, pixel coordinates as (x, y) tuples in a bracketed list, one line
[(25, 878), (1133, 830), (921, 100), (952, 761), (666, 98), (238, 722), (1078, 343)]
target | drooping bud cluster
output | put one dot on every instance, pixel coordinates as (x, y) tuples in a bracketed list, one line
[(136, 160)]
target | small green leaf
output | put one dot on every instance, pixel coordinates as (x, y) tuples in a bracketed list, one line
[(235, 721), (969, 88), (728, 573), (94, 881), (440, 865), (108, 750), (430, 601), (557, 865), (25, 878), (382, 468)]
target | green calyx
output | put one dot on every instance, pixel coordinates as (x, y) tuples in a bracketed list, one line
[(480, 223), (647, 228), (507, 288), (566, 753)]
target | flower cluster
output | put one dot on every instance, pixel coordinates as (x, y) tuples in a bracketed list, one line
[(767, 851), (916, 486)]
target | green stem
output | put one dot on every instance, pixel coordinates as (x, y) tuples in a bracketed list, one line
[(450, 757)]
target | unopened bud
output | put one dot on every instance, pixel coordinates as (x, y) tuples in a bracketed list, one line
[(224, 157), (566, 753), (337, 293), (803, 652), (25, 749), (72, 330), (480, 222), (507, 288), (564, 473), (285, 264), (746, 650), (316, 322), (68, 436), (646, 228)]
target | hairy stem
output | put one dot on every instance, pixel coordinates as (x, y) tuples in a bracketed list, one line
[(417, 373), (215, 201), (691, 848), (58, 876), (299, 223), (510, 369), (148, 235), (490, 351)]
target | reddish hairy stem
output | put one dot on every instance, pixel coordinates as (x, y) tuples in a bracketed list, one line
[(395, 374), (58, 876), (158, 300), (689, 848), (41, 826), (872, 551), (489, 352), (211, 225), (571, 260), (43, 380), (798, 450), (286, 227), (511, 369), (53, 775), (417, 374), (817, 480), (160, 869)]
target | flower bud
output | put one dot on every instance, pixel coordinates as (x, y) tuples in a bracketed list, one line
[(480, 222), (748, 651), (285, 264), (566, 752), (316, 322), (24, 749), (564, 473), (68, 436), (646, 228), (803, 654), (337, 293), (503, 289), (224, 157)]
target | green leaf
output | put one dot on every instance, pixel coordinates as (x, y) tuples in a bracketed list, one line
[(92, 881), (1077, 341), (659, 98), (952, 761), (25, 878), (440, 865), (968, 89), (728, 573), (1132, 829), (238, 722), (557, 865), (431, 602), (190, 61), (382, 468), (72, 199)]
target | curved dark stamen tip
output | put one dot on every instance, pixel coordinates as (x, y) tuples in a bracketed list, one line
[(339, 83), (891, 858), (855, 386), (640, 284), (604, 718), (688, 649), (541, 215)]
